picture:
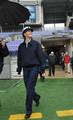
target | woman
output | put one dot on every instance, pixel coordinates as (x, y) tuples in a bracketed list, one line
[(30, 58)]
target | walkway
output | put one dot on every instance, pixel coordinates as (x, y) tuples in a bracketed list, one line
[(60, 73)]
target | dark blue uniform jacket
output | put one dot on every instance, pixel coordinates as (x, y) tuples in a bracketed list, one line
[(30, 56)]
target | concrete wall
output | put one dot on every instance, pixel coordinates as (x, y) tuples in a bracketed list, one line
[(6, 69), (14, 74), (9, 69), (71, 48)]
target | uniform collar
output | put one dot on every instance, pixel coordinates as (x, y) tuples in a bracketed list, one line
[(30, 42)]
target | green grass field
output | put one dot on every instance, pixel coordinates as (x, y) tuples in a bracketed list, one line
[(56, 94)]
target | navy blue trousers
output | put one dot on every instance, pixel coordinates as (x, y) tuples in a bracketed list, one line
[(30, 78)]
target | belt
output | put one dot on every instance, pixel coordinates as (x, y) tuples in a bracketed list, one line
[(29, 66)]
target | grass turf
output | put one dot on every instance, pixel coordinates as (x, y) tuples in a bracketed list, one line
[(56, 94)]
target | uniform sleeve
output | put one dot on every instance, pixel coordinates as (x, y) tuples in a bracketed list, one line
[(41, 58), (19, 64), (4, 51)]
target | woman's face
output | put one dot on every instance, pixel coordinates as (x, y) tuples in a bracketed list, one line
[(28, 34)]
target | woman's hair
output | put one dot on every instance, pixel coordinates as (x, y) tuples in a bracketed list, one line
[(23, 35)]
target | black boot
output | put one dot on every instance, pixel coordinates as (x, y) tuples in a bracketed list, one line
[(27, 116)]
